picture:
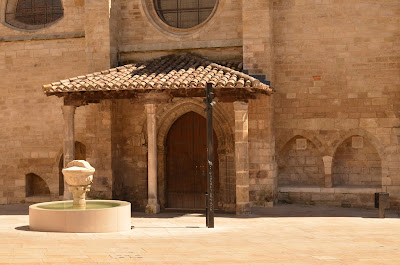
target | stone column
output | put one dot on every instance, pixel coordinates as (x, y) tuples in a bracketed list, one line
[(152, 203), (69, 141), (242, 158)]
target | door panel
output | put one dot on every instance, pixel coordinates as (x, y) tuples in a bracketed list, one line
[(186, 163)]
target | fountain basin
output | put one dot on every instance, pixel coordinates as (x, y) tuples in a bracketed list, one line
[(78, 173), (99, 216)]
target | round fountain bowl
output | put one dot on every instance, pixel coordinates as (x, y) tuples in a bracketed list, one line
[(99, 216)]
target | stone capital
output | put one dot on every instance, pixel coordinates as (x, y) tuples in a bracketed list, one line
[(240, 106), (68, 109), (150, 108)]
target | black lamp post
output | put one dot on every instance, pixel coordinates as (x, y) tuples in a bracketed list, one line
[(210, 156)]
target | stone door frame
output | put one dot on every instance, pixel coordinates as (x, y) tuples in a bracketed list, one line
[(167, 115)]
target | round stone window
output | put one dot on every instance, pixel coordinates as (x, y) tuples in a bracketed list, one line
[(184, 14), (33, 15)]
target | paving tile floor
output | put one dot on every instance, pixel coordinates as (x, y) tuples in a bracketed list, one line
[(285, 234)]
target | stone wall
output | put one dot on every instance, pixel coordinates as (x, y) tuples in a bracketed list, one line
[(336, 75), (101, 36), (98, 144), (142, 37), (258, 46), (32, 136), (340, 197), (100, 22), (257, 60), (262, 165), (129, 153)]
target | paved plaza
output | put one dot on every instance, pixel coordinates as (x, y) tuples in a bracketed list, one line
[(286, 234)]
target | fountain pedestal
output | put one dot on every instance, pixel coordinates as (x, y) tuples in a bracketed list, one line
[(79, 195)]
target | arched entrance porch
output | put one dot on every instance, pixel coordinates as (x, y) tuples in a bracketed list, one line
[(159, 82)]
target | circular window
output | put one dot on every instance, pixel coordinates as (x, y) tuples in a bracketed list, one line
[(33, 15), (184, 14)]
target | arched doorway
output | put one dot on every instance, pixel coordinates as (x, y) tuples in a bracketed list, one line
[(186, 163)]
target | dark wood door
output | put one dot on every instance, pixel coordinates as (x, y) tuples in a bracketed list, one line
[(186, 163)]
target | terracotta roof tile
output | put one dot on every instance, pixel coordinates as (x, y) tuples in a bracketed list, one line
[(176, 71)]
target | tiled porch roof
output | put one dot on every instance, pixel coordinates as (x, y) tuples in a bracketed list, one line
[(182, 71)]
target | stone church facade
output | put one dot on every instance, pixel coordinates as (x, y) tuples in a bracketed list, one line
[(326, 131)]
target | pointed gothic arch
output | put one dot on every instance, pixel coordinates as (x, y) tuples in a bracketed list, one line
[(300, 163), (357, 162)]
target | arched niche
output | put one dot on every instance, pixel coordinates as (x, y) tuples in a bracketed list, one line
[(35, 186), (356, 162), (300, 164)]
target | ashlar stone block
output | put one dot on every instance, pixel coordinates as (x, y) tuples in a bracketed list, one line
[(301, 144), (357, 142)]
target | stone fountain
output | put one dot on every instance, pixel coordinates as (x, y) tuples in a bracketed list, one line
[(80, 215), (79, 176)]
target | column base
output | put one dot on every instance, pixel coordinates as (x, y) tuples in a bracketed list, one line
[(152, 208), (243, 209), (381, 212), (328, 181)]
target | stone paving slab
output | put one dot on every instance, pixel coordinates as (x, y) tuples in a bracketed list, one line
[(286, 234)]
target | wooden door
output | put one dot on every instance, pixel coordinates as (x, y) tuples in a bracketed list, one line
[(186, 163)]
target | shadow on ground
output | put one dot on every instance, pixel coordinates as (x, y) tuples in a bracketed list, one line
[(284, 210), (23, 228), (280, 210), (15, 209), (296, 210)]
